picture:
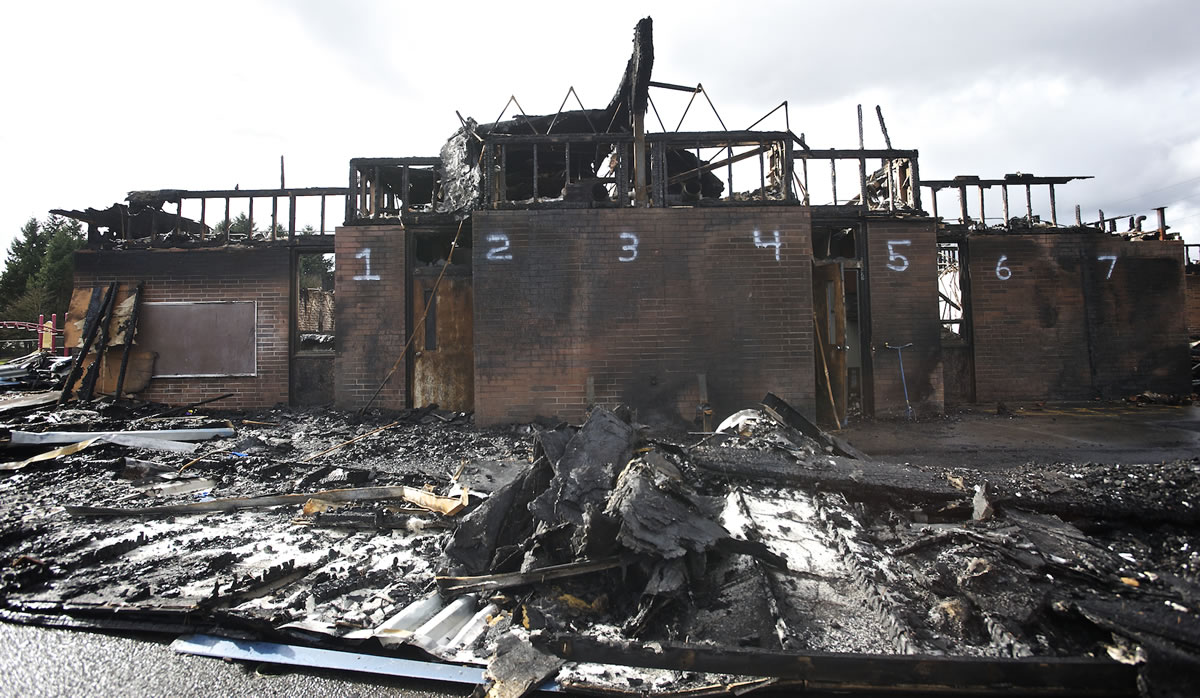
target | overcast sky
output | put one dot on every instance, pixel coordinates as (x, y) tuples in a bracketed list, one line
[(106, 97)]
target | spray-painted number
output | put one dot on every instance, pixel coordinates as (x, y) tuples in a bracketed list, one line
[(365, 255), (897, 261), (501, 250), (1112, 263), (630, 247), (762, 243), (1002, 272)]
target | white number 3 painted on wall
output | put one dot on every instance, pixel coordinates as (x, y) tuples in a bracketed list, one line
[(631, 247)]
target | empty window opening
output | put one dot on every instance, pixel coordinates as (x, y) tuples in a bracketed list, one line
[(950, 294), (314, 325)]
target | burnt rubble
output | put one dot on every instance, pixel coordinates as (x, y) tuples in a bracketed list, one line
[(607, 557)]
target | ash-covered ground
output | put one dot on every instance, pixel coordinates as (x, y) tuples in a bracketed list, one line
[(757, 539)]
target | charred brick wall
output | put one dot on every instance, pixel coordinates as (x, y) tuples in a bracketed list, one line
[(225, 274), (1076, 315), (641, 301), (1193, 303), (902, 283), (370, 302)]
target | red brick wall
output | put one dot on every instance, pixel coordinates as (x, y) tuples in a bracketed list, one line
[(902, 281), (369, 312), (1064, 324), (555, 304), (1193, 304), (260, 275)]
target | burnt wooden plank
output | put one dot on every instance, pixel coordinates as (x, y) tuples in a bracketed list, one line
[(1040, 676), (90, 326), (129, 329)]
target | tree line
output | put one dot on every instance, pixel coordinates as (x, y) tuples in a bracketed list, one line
[(39, 271)]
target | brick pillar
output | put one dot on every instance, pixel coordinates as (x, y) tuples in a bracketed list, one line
[(902, 278), (369, 312)]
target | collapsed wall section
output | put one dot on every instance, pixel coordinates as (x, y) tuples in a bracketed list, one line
[(369, 313), (1072, 316), (637, 304), (902, 281), (255, 282)]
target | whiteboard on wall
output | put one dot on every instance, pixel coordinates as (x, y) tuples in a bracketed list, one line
[(202, 339)]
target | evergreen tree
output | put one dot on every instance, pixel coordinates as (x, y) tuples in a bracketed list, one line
[(24, 259), (48, 289)]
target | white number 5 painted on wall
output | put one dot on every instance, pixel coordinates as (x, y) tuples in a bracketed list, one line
[(897, 261), (1112, 260), (365, 255)]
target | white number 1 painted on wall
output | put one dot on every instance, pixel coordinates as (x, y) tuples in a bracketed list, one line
[(365, 255)]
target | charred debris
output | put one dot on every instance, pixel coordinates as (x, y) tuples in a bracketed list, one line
[(604, 557)]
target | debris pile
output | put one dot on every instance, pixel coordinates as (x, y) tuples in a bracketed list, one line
[(602, 557), (36, 371)]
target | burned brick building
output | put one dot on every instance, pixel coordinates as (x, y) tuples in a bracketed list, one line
[(544, 264)]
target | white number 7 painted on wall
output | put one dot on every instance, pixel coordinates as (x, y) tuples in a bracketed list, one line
[(1112, 260), (365, 255)]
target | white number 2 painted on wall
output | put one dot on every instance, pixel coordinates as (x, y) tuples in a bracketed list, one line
[(500, 251), (1112, 260), (631, 248), (775, 242), (365, 255), (897, 261)]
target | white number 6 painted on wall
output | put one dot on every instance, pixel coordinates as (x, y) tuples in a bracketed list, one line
[(500, 252), (365, 255), (1002, 272), (897, 261)]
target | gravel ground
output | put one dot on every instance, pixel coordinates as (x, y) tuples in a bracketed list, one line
[(39, 662)]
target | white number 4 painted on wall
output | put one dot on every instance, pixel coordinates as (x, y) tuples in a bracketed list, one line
[(775, 242), (897, 261), (365, 255), (1112, 260)]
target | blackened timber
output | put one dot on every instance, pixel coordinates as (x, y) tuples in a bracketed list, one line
[(396, 162), (719, 139), (855, 154), (91, 325), (493, 582), (1041, 676), (720, 163), (972, 180), (787, 415), (560, 138), (151, 197), (129, 328)]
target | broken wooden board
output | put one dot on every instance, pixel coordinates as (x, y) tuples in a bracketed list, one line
[(123, 302), (137, 373)]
